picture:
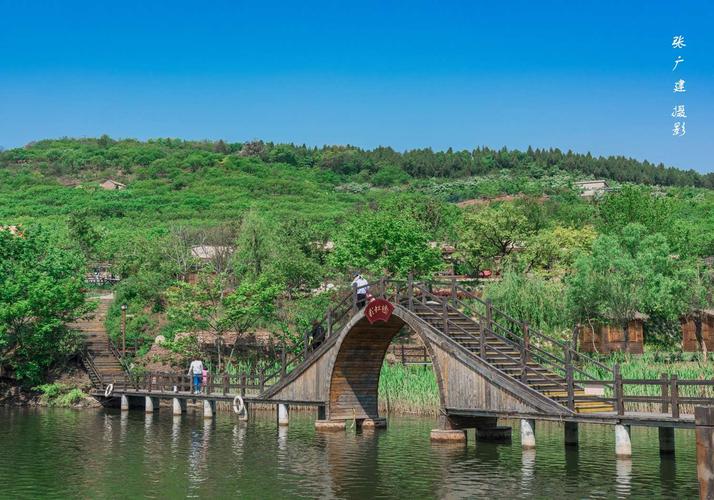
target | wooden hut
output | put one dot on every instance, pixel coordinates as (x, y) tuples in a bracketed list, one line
[(111, 185), (689, 331), (611, 338)]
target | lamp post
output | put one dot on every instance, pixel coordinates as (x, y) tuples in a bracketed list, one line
[(123, 330)]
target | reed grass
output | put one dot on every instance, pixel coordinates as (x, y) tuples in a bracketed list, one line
[(410, 389)]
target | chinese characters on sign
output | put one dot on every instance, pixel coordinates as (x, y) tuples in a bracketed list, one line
[(679, 129), (378, 310)]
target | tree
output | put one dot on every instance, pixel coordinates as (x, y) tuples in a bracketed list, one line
[(624, 275), (553, 251), (491, 233), (41, 290), (84, 234), (606, 286), (255, 245), (635, 204), (389, 175), (530, 298), (208, 305), (384, 242)]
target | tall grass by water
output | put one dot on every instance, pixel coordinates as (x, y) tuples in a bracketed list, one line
[(410, 389)]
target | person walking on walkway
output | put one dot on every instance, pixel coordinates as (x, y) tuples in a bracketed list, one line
[(361, 286), (318, 335), (196, 370)]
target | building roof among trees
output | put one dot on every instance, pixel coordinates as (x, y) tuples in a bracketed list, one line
[(112, 184)]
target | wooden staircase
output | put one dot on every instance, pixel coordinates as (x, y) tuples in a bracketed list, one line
[(505, 355), (98, 357)]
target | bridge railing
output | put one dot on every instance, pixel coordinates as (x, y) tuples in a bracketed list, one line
[(562, 362), (177, 383), (667, 395), (440, 308)]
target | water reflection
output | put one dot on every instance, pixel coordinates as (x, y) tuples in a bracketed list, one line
[(667, 472), (123, 425), (107, 436), (528, 461), (623, 468), (572, 457), (60, 454), (198, 453), (282, 440), (175, 433)]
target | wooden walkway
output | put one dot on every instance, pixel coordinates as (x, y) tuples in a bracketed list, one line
[(486, 363)]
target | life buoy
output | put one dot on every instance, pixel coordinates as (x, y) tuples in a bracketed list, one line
[(108, 391), (238, 405)]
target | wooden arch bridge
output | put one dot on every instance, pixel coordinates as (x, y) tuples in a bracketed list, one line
[(488, 365)]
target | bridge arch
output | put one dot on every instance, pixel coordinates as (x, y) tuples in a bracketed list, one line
[(355, 369), (342, 375)]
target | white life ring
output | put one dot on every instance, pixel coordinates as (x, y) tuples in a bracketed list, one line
[(108, 391), (238, 405)]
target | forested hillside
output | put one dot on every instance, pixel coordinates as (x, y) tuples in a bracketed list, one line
[(287, 219), (160, 157)]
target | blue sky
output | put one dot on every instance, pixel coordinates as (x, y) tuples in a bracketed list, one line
[(588, 76)]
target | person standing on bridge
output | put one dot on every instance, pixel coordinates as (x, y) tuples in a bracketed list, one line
[(361, 286), (196, 370)]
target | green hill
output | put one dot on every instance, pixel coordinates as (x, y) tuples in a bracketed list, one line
[(281, 207)]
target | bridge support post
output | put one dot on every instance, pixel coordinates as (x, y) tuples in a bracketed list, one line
[(571, 434), (447, 432), (623, 445), (151, 404), (666, 440), (209, 408), (528, 441), (179, 406), (330, 425), (283, 414), (495, 434), (124, 403), (321, 412), (373, 423), (243, 417), (704, 420)]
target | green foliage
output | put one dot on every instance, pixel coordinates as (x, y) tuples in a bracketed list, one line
[(277, 207), (553, 251), (389, 176), (633, 273), (492, 232), (207, 305), (384, 242), (40, 291), (57, 394), (534, 299)]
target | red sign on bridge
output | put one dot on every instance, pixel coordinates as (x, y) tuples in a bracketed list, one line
[(378, 310)]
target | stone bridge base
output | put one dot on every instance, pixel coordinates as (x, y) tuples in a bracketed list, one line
[(452, 429)]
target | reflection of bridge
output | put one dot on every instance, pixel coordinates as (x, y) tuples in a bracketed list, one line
[(488, 365)]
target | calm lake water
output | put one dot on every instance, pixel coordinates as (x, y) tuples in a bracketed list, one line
[(57, 453)]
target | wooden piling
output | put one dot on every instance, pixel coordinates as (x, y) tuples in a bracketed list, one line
[(704, 420)]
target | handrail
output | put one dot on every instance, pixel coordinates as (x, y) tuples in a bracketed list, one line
[(532, 331), (518, 344), (525, 367), (89, 364)]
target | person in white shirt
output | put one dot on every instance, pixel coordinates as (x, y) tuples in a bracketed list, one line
[(362, 288), (196, 369)]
